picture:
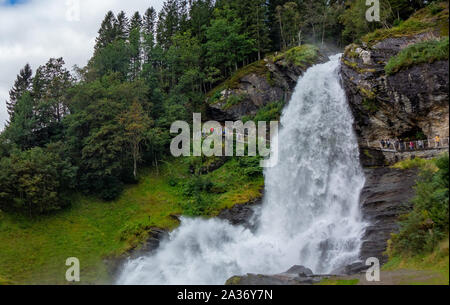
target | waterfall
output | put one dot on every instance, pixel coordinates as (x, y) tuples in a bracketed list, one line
[(310, 215)]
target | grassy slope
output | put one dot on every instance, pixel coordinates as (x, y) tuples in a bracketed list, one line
[(423, 52), (431, 269), (34, 251), (436, 265), (432, 18)]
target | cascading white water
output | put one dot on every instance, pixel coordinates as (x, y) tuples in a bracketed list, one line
[(310, 214)]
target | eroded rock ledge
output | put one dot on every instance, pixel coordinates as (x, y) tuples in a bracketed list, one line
[(270, 80), (410, 102)]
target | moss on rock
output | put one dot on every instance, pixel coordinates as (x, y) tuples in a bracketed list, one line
[(428, 19)]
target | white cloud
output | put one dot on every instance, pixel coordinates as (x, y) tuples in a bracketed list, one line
[(37, 30)]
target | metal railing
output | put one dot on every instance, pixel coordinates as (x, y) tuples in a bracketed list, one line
[(403, 146), (240, 137)]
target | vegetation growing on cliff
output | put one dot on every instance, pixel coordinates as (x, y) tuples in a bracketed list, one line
[(434, 265), (303, 56), (270, 112), (428, 224), (422, 52), (432, 18)]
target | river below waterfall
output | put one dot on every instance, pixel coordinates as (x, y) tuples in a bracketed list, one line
[(310, 214)]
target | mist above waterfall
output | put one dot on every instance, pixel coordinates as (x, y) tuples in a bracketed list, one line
[(310, 215)]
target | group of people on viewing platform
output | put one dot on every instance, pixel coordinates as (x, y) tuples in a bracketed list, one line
[(411, 145)]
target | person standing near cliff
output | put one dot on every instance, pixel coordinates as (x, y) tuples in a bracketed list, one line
[(437, 139), (420, 143), (396, 144)]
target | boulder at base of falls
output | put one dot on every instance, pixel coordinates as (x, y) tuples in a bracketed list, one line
[(242, 214), (151, 244), (296, 275)]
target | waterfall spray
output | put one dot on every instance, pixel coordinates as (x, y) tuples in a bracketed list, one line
[(310, 214)]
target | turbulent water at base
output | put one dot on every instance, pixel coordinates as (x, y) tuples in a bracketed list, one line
[(310, 215)]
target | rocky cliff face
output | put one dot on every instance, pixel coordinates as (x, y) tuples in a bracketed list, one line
[(272, 79), (386, 196), (411, 101), (401, 105)]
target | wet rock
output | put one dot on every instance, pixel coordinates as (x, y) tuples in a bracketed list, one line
[(241, 214), (300, 271), (385, 196), (151, 244), (370, 157), (115, 264), (354, 268), (297, 275)]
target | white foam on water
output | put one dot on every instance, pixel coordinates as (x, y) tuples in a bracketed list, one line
[(310, 215)]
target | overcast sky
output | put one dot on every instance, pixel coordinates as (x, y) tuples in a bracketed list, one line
[(32, 31)]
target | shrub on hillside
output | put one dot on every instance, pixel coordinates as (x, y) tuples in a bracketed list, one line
[(428, 223), (422, 52), (33, 181)]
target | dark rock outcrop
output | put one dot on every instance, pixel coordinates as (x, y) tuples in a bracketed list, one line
[(411, 101), (296, 275), (370, 157), (152, 243), (156, 235), (268, 81), (300, 271), (384, 198), (241, 214)]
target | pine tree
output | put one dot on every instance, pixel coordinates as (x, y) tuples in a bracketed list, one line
[(22, 126), (21, 85), (168, 23), (290, 24), (50, 91), (148, 29), (107, 33), (135, 44), (256, 24), (149, 22), (183, 15), (200, 15), (227, 47), (275, 31), (121, 26)]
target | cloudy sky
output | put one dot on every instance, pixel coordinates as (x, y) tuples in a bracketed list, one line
[(32, 31)]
